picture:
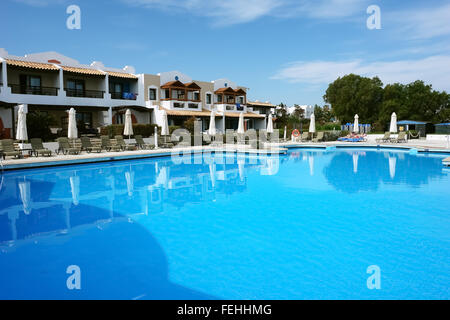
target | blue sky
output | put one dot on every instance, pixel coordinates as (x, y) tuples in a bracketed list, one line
[(283, 50)]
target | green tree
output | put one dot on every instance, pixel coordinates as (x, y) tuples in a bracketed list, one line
[(323, 114), (298, 113), (353, 94)]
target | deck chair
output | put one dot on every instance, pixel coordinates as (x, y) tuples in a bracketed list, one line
[(230, 136), (320, 137), (65, 148), (304, 136), (385, 138), (7, 146), (108, 146), (401, 137), (121, 142), (165, 143), (141, 143), (86, 145), (38, 148)]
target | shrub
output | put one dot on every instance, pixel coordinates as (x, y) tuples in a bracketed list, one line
[(145, 130), (189, 124), (38, 125), (173, 128)]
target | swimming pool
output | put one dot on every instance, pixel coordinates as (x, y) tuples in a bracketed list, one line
[(305, 225)]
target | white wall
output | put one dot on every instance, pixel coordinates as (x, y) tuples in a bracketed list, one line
[(224, 83), (172, 75), (437, 137)]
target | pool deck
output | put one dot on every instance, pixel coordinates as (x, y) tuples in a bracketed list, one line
[(279, 148)]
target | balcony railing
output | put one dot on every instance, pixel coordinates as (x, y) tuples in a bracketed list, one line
[(36, 90), (96, 94), (124, 95)]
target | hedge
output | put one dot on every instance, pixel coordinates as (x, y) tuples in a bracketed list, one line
[(145, 130)]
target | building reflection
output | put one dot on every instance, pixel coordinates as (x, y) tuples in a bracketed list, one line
[(356, 171), (56, 201)]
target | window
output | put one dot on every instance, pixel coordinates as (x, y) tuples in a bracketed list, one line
[(167, 94), (178, 105), (192, 106), (241, 100), (230, 108), (75, 88), (196, 96), (178, 94), (30, 84), (85, 119), (229, 99), (208, 98), (119, 118), (152, 94), (35, 81), (219, 98)]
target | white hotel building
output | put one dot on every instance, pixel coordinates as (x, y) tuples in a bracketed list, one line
[(53, 83)]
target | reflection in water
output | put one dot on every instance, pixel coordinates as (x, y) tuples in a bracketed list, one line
[(24, 188), (212, 173), (311, 165), (355, 162), (134, 221), (346, 172), (59, 201), (129, 177), (75, 189), (392, 164)]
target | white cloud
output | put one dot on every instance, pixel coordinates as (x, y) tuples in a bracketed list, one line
[(241, 11), (40, 3), (434, 70), (221, 12), (422, 23), (328, 9)]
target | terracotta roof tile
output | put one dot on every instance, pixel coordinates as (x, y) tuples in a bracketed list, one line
[(32, 65), (121, 75), (92, 72)]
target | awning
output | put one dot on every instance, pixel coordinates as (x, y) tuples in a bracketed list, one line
[(32, 65), (188, 113), (410, 122), (121, 75), (91, 72)]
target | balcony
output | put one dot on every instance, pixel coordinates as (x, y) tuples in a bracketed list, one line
[(84, 93), (124, 95), (34, 90)]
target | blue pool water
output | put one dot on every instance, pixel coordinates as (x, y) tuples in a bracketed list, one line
[(306, 225)]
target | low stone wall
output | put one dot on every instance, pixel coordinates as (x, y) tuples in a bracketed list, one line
[(437, 137)]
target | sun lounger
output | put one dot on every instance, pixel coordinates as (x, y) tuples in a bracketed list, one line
[(65, 148), (141, 143), (7, 145), (401, 138), (385, 138), (86, 145), (164, 143), (121, 142), (320, 137), (38, 148), (108, 146), (304, 136)]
